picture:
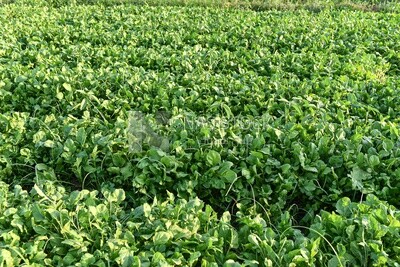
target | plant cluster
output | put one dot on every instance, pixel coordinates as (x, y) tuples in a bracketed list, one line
[(240, 138)]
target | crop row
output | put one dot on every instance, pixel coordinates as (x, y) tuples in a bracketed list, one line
[(255, 113), (82, 229), (318, 90)]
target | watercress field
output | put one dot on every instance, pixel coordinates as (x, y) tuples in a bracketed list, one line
[(136, 135)]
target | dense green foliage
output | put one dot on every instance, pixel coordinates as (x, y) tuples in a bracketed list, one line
[(56, 228), (271, 138), (258, 5)]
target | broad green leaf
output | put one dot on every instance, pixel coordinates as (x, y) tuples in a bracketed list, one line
[(126, 258), (117, 195), (21, 79), (69, 259), (118, 160), (67, 87), (334, 262), (343, 206), (161, 238), (310, 169), (357, 176), (309, 186), (194, 257), (146, 210), (213, 158), (81, 136), (39, 191), (254, 239), (6, 258), (231, 263), (285, 168), (49, 143), (41, 167), (374, 160), (60, 95), (229, 176), (315, 247)]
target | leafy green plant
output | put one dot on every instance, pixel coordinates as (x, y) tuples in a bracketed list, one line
[(271, 129)]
